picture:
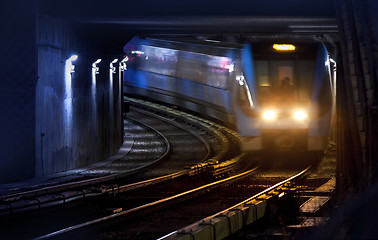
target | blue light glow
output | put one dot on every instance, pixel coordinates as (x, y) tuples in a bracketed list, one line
[(69, 70), (112, 71), (95, 71)]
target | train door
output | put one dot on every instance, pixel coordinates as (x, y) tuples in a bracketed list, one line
[(284, 79), (283, 73)]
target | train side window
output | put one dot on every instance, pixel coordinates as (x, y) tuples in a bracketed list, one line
[(263, 80)]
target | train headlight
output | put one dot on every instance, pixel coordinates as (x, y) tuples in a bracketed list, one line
[(269, 115), (300, 115)]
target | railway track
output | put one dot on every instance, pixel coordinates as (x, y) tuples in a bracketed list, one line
[(163, 215), (223, 140), (109, 178), (88, 181), (157, 196)]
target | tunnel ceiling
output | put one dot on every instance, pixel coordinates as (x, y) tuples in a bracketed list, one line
[(176, 15), (107, 20), (123, 10)]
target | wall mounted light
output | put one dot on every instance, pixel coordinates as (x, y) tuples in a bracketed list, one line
[(122, 64), (94, 66), (69, 64), (69, 68), (112, 68)]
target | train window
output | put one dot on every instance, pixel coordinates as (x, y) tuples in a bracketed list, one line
[(157, 60), (285, 76), (218, 69), (284, 82), (263, 79), (262, 73), (210, 70), (153, 59), (194, 72)]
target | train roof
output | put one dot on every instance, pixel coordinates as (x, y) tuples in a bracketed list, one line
[(203, 47), (212, 47)]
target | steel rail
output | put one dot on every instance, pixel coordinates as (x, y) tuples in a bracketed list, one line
[(90, 182), (199, 122), (204, 142), (149, 182), (268, 189), (93, 181), (225, 212), (147, 206), (170, 176)]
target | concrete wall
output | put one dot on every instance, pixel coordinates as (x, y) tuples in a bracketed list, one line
[(76, 122), (18, 76), (47, 123)]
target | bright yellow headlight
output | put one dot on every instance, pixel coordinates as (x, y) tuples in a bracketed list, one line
[(269, 115), (300, 115)]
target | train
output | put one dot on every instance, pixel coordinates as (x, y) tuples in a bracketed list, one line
[(278, 96)]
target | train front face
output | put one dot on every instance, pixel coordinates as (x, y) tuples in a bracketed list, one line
[(291, 98)]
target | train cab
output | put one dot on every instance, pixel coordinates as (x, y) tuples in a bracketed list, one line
[(290, 85), (278, 96)]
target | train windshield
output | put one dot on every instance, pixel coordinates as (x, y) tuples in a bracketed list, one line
[(284, 81)]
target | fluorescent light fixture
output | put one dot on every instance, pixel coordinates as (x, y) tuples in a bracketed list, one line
[(112, 68), (122, 64), (72, 68), (284, 47), (69, 66), (73, 58), (96, 70)]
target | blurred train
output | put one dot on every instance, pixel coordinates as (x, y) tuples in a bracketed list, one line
[(279, 97)]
